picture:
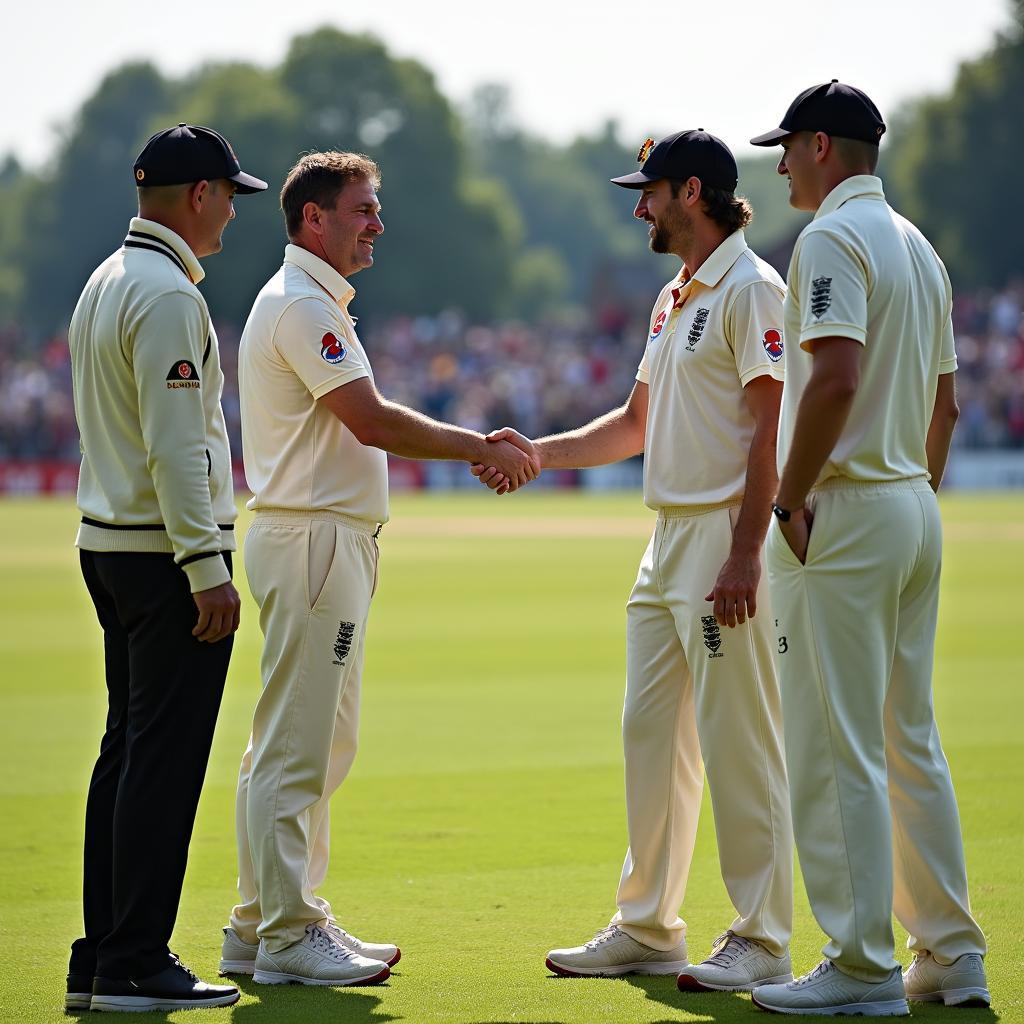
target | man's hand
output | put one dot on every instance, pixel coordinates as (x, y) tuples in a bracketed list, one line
[(494, 476), (797, 532), (735, 590), (219, 609)]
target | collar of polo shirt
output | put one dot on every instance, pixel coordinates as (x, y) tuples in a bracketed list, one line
[(717, 265), (859, 185), (173, 241), (322, 272)]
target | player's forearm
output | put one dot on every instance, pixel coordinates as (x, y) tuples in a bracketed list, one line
[(758, 493), (821, 416), (610, 438), (411, 435), (940, 430)]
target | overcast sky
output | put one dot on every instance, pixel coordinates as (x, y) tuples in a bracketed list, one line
[(731, 68)]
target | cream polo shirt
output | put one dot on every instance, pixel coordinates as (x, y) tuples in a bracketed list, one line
[(300, 343), (156, 464), (709, 336), (860, 270)]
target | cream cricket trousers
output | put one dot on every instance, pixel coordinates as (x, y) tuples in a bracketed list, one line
[(693, 689), (313, 576), (874, 813)]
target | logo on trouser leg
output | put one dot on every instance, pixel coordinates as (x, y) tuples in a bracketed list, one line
[(712, 636), (343, 645)]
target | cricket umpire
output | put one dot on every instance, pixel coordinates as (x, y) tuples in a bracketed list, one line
[(702, 693), (315, 432), (155, 543), (867, 417)]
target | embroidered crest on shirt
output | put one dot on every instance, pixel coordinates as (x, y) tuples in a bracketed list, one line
[(821, 296), (772, 341), (331, 349), (182, 375), (700, 320)]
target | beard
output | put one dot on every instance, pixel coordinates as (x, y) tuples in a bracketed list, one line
[(674, 228)]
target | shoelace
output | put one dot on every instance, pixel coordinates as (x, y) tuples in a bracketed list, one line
[(825, 967), (177, 963), (603, 936), (326, 943), (729, 947)]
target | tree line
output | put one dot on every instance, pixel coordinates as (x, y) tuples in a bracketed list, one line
[(480, 214)]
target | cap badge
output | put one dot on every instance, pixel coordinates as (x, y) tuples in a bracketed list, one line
[(645, 150), (140, 174)]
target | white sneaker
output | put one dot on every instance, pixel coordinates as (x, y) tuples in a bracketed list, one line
[(236, 955), (827, 992), (738, 964), (961, 983), (317, 959), (611, 952), (386, 952)]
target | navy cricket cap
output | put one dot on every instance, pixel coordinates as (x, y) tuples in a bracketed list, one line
[(832, 108), (689, 154), (188, 153)]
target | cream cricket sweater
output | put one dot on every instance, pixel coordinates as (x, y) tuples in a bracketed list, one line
[(156, 464)]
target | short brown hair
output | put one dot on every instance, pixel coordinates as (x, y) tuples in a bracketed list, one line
[(319, 178), (725, 208)]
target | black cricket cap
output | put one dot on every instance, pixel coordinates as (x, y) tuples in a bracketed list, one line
[(188, 153), (832, 108), (689, 154)]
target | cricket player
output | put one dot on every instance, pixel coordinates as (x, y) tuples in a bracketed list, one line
[(701, 683), (156, 539), (867, 418), (315, 432)]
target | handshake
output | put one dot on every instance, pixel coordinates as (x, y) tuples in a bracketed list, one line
[(513, 461)]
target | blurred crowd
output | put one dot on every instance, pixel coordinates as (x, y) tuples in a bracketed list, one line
[(539, 378)]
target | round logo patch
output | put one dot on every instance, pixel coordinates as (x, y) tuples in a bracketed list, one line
[(331, 349), (772, 341), (184, 370), (659, 323)]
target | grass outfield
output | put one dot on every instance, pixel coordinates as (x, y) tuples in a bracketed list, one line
[(483, 822)]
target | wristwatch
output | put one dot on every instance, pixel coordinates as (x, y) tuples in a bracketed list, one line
[(782, 514)]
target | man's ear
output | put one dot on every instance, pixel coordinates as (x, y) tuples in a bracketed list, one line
[(198, 194), (311, 216)]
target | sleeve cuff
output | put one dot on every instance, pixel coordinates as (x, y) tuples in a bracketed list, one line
[(773, 370), (948, 366), (207, 573), (851, 331), (336, 382), (642, 376)]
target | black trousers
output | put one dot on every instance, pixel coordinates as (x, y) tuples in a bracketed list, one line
[(164, 690)]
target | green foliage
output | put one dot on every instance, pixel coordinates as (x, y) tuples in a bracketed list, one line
[(479, 213), (78, 210), (953, 166)]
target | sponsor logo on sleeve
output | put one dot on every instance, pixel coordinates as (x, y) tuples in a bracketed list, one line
[(182, 375), (772, 341), (659, 323), (821, 296), (332, 350)]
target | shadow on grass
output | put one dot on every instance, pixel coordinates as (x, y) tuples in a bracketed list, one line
[(714, 1006), (698, 1006), (281, 1004)]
